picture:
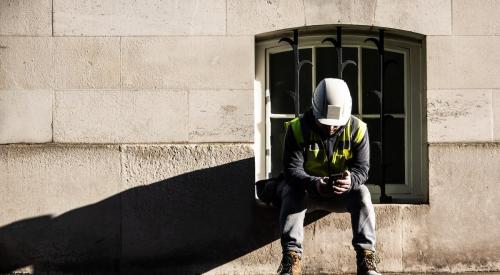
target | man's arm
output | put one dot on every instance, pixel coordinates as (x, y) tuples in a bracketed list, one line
[(359, 165), (293, 164)]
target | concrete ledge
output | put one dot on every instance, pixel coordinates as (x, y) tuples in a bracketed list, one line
[(173, 203)]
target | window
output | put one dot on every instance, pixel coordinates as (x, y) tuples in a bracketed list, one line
[(405, 147)]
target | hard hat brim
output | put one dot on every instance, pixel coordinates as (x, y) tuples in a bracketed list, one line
[(332, 122)]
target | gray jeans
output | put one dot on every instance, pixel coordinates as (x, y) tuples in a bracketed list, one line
[(295, 202)]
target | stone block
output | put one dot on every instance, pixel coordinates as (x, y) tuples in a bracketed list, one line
[(87, 63), (27, 63), (129, 17), (221, 115), (428, 17), (459, 116), (476, 17), (357, 12), (145, 164), (462, 62), (254, 17), (454, 232), (120, 116), (180, 200), (188, 62), (496, 115), (52, 179), (26, 116), (59, 206), (26, 17)]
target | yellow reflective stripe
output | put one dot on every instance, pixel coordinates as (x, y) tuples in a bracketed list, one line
[(296, 129), (361, 132)]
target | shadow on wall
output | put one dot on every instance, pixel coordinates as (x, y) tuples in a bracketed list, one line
[(187, 224)]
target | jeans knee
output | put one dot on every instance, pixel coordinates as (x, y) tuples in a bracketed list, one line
[(292, 198), (362, 194)]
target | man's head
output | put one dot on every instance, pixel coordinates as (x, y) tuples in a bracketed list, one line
[(331, 104)]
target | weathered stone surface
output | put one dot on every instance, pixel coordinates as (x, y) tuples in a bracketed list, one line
[(496, 115), (356, 12), (476, 17), (87, 63), (459, 115), (455, 233), (262, 261), (224, 116), (254, 17), (128, 17), (188, 62), (462, 62), (26, 116), (147, 164), (27, 63), (26, 17), (74, 182), (328, 248), (120, 116), (49, 180), (184, 198), (429, 17)]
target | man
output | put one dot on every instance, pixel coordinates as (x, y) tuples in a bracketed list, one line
[(327, 140)]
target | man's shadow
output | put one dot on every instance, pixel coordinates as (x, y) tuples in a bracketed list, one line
[(188, 224)]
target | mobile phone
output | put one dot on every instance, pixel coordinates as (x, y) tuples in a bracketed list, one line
[(333, 177)]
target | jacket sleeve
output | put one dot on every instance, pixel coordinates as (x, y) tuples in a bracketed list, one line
[(359, 164), (293, 164)]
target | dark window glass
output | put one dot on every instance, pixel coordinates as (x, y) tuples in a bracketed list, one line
[(326, 66), (282, 82), (394, 150), (394, 82), (277, 139)]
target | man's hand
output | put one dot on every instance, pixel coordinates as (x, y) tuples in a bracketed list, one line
[(342, 185), (324, 189)]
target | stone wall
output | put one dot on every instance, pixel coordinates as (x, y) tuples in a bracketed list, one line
[(126, 131)]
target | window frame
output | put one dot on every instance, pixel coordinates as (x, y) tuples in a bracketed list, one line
[(415, 188)]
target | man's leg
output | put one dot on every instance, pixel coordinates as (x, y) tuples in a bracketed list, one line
[(363, 230), (292, 214), (362, 218)]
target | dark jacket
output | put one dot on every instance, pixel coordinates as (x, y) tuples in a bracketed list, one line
[(294, 156)]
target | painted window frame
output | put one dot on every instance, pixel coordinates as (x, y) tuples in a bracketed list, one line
[(415, 189)]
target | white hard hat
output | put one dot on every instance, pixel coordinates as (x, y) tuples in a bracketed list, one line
[(332, 102)]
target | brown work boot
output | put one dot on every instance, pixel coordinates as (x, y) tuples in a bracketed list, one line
[(290, 264), (367, 262)]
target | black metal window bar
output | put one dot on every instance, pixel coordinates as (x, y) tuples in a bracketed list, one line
[(341, 65)]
